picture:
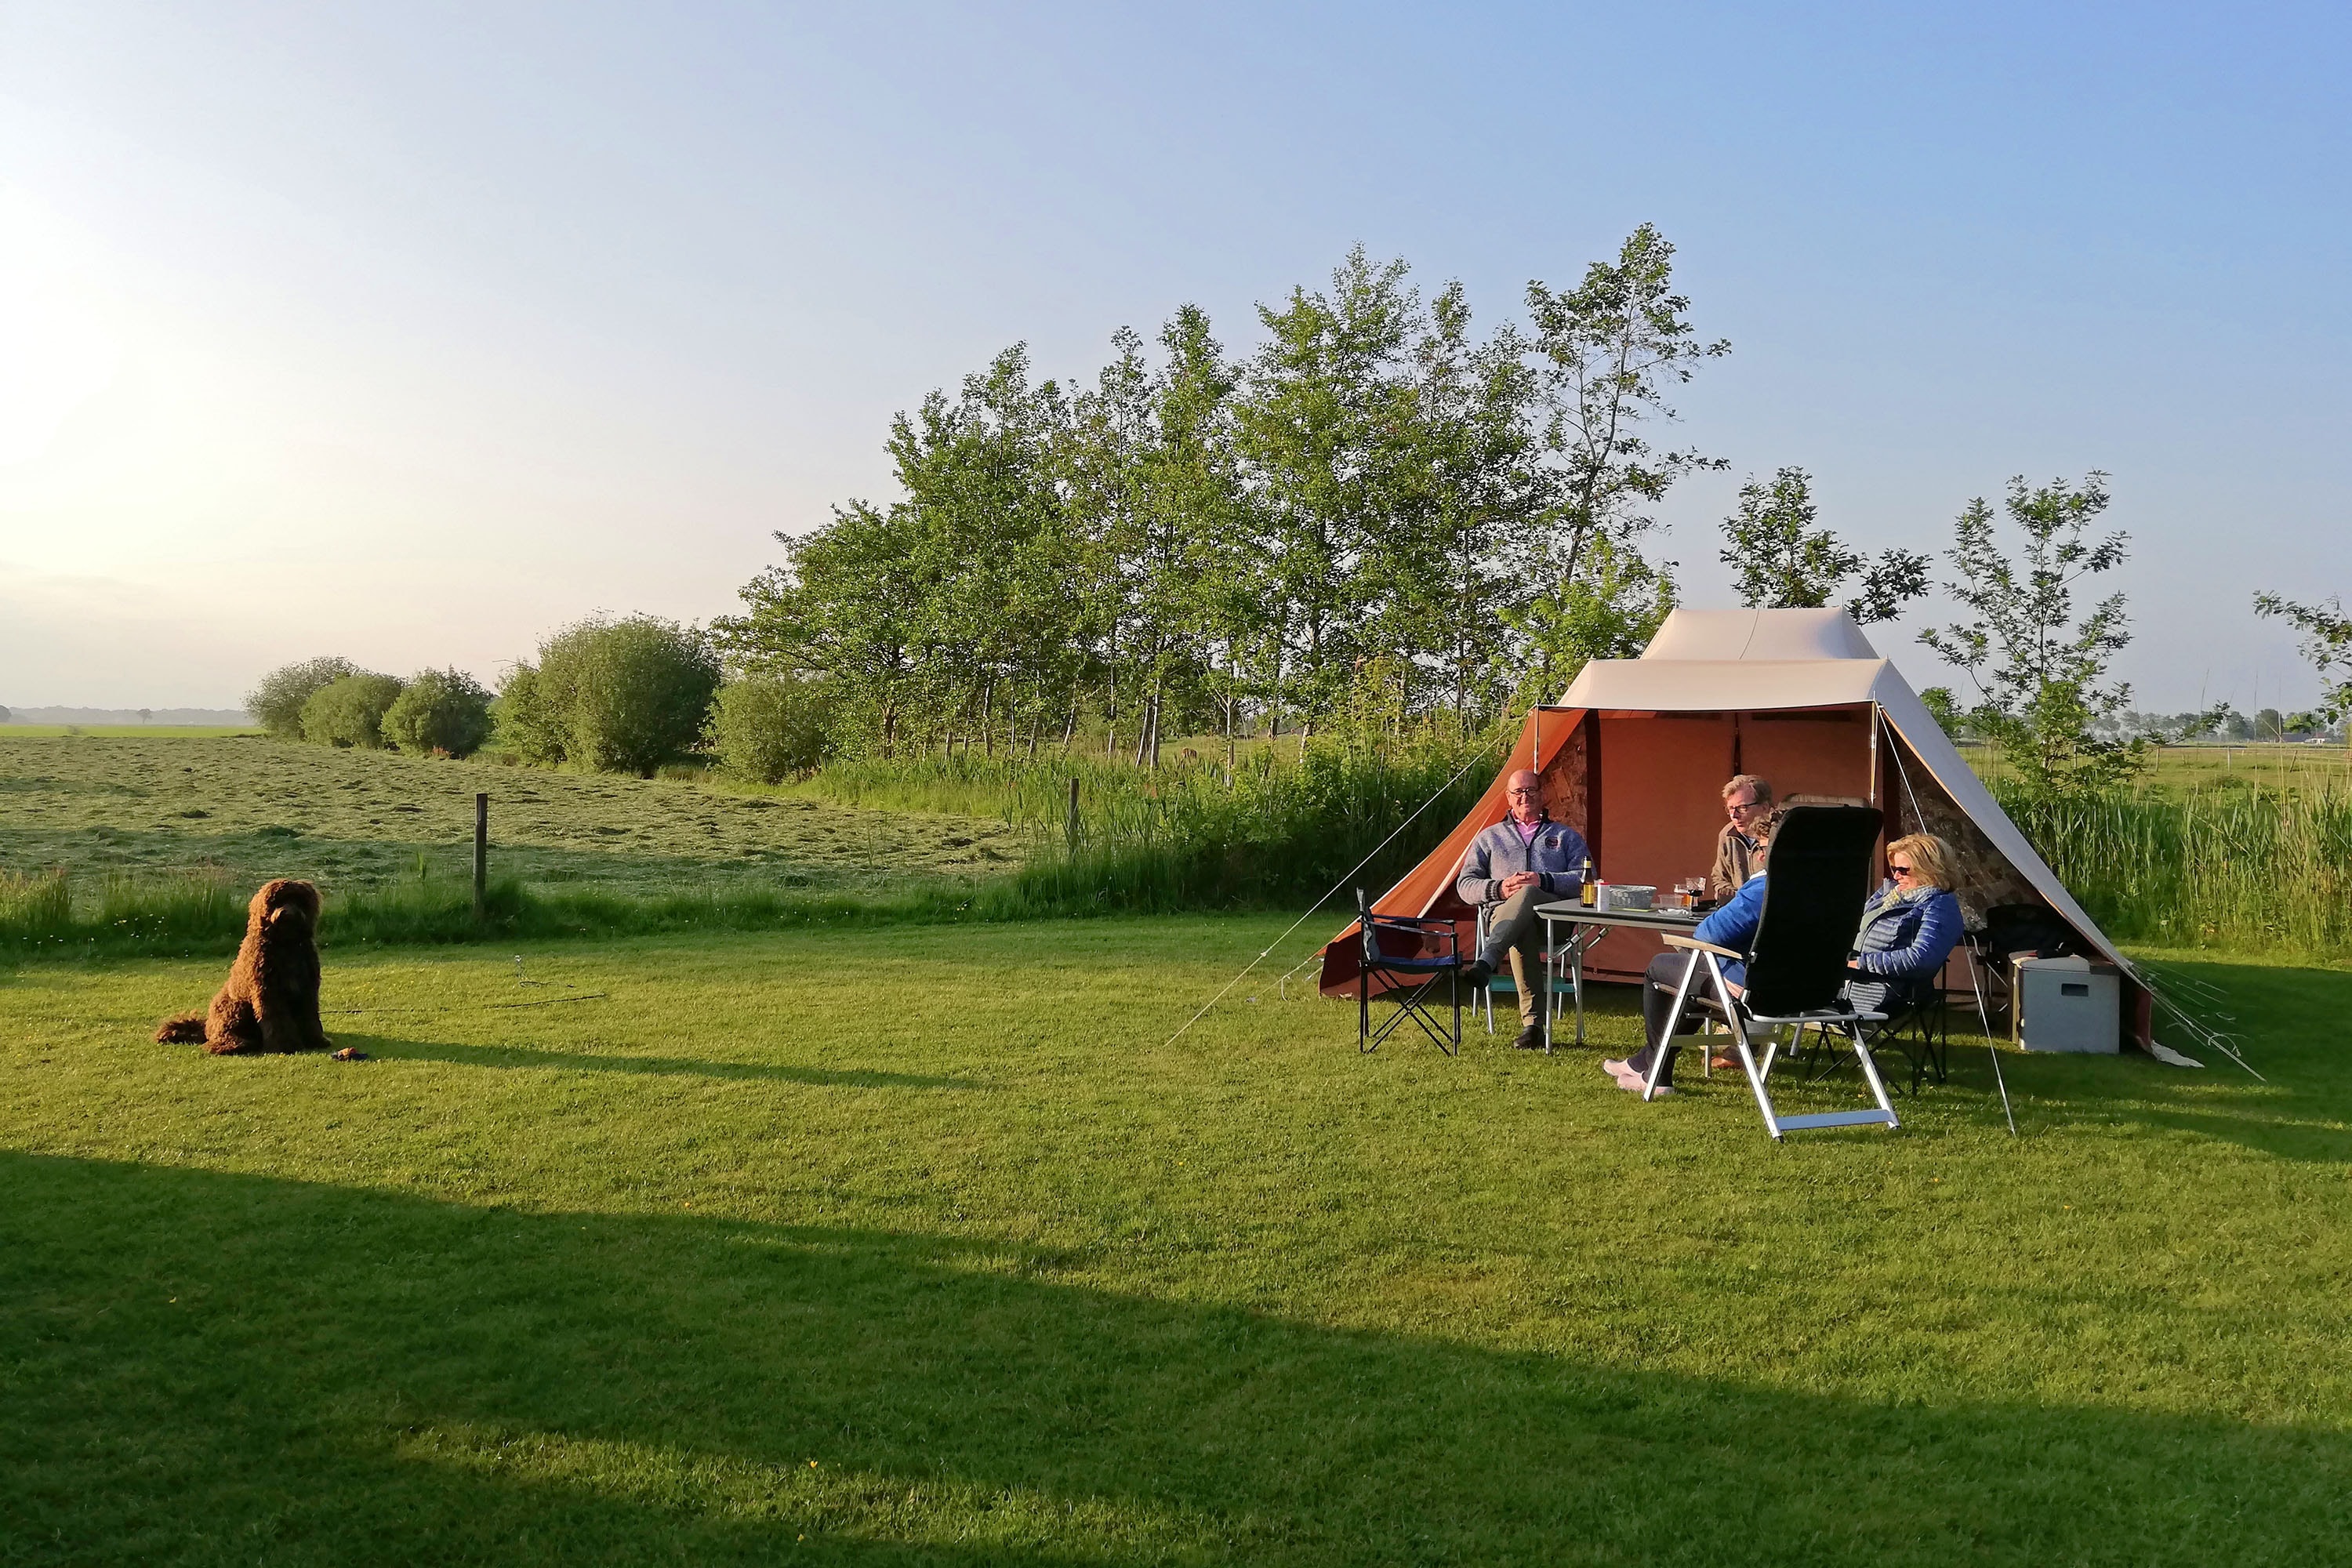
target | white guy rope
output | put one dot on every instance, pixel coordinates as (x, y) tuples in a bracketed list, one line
[(1475, 757)]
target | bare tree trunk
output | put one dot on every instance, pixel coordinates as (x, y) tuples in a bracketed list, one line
[(1229, 722), (1070, 726), (1110, 711), (1147, 739), (987, 717)]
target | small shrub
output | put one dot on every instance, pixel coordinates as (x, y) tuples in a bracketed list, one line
[(764, 729), (523, 727), (277, 703), (439, 711), (350, 711)]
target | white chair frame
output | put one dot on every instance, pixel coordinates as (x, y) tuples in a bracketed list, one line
[(1845, 1019)]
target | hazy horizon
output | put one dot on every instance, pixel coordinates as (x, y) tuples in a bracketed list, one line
[(411, 332)]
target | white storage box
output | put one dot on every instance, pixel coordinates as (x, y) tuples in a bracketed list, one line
[(1624, 896), (2065, 1004)]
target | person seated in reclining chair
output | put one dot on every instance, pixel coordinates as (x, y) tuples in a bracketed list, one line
[(1524, 860), (1909, 927), (1732, 926)]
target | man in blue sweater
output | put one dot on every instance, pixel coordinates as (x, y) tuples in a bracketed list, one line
[(1732, 926), (1524, 860)]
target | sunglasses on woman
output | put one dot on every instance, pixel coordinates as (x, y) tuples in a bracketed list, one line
[(1899, 871)]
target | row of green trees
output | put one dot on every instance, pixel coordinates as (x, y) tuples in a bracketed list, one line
[(1379, 497), (331, 701), (623, 695), (1380, 520)]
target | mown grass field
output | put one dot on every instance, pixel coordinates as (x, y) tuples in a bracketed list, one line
[(2183, 770), (253, 808), (124, 731), (924, 1247)]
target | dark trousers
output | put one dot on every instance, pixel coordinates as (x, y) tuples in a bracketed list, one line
[(1658, 989)]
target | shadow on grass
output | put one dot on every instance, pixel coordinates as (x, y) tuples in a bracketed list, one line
[(682, 1067), (2286, 1020), (202, 1367)]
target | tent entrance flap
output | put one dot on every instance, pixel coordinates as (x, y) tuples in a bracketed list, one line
[(1662, 779)]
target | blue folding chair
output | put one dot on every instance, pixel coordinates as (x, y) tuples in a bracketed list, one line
[(1407, 978)]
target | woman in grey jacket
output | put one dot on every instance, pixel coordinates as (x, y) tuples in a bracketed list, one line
[(1909, 927)]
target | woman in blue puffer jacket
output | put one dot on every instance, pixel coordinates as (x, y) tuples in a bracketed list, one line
[(1909, 927)]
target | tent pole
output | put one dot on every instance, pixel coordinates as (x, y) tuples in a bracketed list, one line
[(1877, 719), (1975, 981)]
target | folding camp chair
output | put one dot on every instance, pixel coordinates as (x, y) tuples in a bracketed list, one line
[(1918, 1024), (1408, 978), (1916, 1021), (1819, 871)]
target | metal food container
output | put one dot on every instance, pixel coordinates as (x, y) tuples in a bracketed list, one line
[(2066, 1005), (1626, 896)]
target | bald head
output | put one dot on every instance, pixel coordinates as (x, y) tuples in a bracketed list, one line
[(1525, 791)]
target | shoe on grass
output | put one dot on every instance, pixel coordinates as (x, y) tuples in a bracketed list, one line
[(1531, 1038), (1615, 1069), (1724, 1063)]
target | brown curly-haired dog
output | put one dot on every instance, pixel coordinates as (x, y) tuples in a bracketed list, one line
[(270, 1001)]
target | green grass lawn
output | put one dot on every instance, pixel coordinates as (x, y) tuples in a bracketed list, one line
[(922, 1246), (254, 808)]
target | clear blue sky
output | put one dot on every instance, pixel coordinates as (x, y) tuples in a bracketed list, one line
[(422, 329)]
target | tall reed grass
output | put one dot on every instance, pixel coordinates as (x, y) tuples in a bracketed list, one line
[(2252, 869), (1282, 830)]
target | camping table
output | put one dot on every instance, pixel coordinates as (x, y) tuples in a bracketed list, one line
[(1587, 926)]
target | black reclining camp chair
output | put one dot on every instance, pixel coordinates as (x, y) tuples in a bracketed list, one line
[(1819, 871), (1409, 976)]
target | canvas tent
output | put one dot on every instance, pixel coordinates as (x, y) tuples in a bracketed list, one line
[(1636, 753)]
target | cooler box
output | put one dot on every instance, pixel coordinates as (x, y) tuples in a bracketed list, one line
[(2065, 1004), (1624, 896)]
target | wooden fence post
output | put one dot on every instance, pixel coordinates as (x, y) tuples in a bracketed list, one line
[(481, 855), (1073, 828)]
